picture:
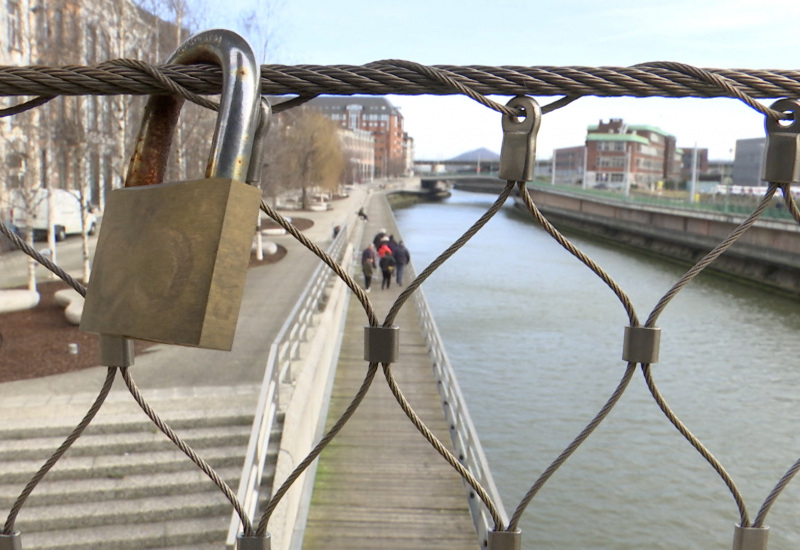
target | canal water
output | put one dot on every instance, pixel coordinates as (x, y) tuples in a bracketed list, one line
[(535, 339)]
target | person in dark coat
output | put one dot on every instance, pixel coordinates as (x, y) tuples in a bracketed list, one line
[(368, 264), (387, 264), (401, 259)]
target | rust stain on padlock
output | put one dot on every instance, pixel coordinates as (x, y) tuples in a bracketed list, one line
[(149, 160)]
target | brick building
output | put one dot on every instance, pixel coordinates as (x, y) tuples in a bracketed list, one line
[(393, 154), (620, 155)]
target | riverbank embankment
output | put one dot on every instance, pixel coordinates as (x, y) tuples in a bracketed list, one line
[(768, 254)]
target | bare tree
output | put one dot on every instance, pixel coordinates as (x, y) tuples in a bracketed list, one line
[(306, 155)]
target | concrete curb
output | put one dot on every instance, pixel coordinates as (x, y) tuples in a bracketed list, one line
[(18, 300)]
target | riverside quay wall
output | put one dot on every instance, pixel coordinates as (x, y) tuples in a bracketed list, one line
[(768, 254)]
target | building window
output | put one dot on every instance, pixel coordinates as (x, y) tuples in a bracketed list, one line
[(14, 26)]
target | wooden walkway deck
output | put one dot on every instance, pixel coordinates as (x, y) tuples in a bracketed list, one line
[(379, 484)]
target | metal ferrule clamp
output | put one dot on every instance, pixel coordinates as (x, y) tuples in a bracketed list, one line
[(253, 543), (750, 538), (505, 540), (381, 344), (11, 542), (641, 344)]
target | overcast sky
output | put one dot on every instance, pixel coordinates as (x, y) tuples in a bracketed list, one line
[(705, 33)]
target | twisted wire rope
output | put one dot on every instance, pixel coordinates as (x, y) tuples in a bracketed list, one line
[(659, 308), (715, 80), (443, 257), (711, 256), (623, 384), (575, 251), (330, 262), (692, 439), (441, 449), (167, 83), (658, 79), (791, 204), (204, 466), (8, 528), (573, 446), (318, 448), (761, 516), (33, 253)]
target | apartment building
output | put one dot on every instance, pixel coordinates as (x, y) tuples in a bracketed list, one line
[(78, 142), (359, 148), (568, 165), (393, 153), (620, 155)]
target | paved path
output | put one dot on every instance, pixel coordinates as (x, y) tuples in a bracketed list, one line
[(379, 484), (270, 293)]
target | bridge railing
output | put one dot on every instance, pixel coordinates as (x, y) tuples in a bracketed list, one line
[(466, 444), (285, 349)]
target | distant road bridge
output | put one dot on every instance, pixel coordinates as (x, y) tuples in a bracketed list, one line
[(467, 166)]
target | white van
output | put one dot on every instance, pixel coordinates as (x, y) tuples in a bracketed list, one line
[(66, 219)]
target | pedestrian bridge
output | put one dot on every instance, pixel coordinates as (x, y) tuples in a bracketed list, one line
[(383, 453)]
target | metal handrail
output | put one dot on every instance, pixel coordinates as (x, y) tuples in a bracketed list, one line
[(465, 439), (282, 351)]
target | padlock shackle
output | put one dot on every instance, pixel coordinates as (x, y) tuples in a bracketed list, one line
[(238, 116)]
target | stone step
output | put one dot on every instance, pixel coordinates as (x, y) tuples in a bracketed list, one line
[(133, 486), (40, 448), (105, 423), (188, 533), (119, 466), (161, 509)]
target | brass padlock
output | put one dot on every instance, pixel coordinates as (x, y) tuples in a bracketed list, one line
[(171, 258)]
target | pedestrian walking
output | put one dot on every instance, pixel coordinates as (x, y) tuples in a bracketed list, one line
[(368, 264), (362, 214), (378, 239), (387, 264), (401, 258)]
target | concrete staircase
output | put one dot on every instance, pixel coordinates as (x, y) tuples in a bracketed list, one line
[(123, 484)]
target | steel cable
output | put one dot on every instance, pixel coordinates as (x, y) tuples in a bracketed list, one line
[(318, 448), (204, 466), (441, 449), (36, 255), (330, 262), (711, 256), (76, 433), (659, 308), (704, 452), (573, 446), (658, 79), (575, 251), (452, 249)]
